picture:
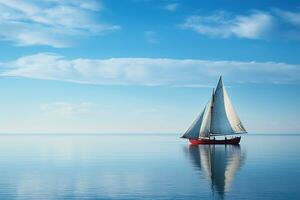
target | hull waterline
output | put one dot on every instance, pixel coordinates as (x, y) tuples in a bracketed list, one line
[(200, 141)]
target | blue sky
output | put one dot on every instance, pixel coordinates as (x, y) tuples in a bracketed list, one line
[(146, 65)]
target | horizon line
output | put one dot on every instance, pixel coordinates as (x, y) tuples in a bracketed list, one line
[(125, 133)]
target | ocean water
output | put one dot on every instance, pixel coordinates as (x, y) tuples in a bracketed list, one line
[(147, 166)]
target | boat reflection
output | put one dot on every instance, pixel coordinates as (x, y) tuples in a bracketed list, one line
[(219, 162)]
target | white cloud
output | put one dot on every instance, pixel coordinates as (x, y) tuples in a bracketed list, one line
[(254, 26), (290, 23), (221, 24), (172, 7), (148, 71), (50, 22), (65, 109), (264, 25), (151, 37), (289, 16)]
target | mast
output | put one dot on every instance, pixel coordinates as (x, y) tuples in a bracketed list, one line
[(211, 111)]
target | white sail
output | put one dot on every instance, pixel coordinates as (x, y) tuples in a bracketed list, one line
[(194, 130), (224, 120), (217, 118), (201, 126), (233, 118), (206, 121)]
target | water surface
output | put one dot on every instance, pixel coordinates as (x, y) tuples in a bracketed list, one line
[(147, 167)]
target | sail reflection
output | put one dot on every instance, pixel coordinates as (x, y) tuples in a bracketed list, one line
[(219, 162)]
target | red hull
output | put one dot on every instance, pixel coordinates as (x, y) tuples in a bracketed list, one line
[(234, 141)]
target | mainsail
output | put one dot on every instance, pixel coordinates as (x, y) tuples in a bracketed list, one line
[(218, 117), (225, 120)]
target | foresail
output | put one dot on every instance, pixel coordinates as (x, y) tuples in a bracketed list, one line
[(201, 126), (225, 121), (194, 130), (205, 125)]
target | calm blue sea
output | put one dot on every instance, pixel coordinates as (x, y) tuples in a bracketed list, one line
[(147, 166)]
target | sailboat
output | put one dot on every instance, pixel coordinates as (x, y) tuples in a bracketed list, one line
[(218, 118)]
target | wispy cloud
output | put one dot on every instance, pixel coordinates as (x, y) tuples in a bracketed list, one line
[(65, 109), (253, 25), (289, 16), (51, 22), (290, 23), (222, 24), (148, 71), (172, 7), (151, 37)]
